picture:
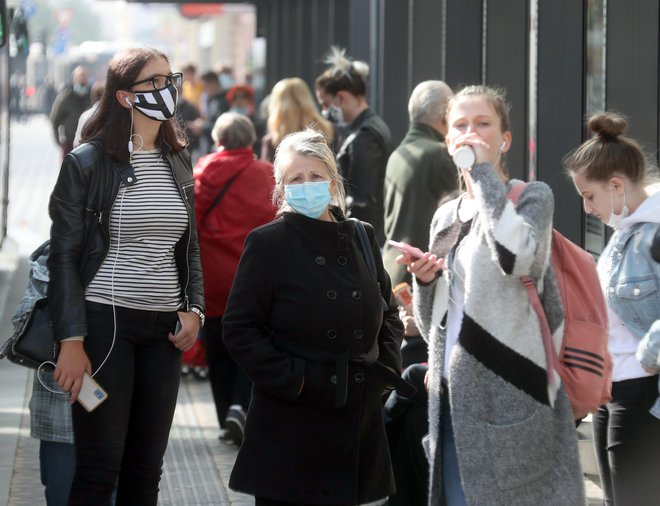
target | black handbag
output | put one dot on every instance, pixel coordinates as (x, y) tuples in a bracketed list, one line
[(33, 341)]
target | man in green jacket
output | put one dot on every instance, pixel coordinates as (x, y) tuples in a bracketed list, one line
[(420, 173)]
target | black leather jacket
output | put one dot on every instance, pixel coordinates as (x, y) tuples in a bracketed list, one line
[(362, 160), (80, 206)]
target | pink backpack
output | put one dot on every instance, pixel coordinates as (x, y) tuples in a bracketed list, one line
[(584, 363)]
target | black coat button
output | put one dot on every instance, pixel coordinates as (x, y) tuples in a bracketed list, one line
[(332, 333), (332, 295), (358, 334), (342, 260), (359, 378), (320, 260), (333, 379), (356, 294)]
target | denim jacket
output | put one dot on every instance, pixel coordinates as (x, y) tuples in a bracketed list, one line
[(50, 413), (632, 289)]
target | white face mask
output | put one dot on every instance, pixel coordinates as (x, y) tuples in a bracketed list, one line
[(615, 219), (336, 115)]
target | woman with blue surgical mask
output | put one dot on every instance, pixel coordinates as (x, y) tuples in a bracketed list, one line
[(318, 334), (611, 174)]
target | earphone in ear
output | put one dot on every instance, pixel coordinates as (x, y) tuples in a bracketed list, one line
[(503, 145), (126, 99)]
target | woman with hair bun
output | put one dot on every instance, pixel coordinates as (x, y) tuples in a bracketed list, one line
[(363, 155), (611, 175)]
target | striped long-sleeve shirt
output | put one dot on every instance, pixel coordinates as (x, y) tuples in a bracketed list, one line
[(146, 221)]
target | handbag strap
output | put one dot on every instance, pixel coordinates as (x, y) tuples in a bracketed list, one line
[(219, 196), (368, 256), (366, 247)]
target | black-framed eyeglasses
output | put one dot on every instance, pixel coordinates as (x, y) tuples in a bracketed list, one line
[(159, 81)]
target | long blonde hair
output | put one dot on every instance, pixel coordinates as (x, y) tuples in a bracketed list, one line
[(292, 109)]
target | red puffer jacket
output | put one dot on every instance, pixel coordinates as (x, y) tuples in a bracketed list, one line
[(245, 205)]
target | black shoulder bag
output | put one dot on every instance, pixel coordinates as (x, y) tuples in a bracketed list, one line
[(33, 341)]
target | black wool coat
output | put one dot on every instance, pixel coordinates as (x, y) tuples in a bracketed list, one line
[(305, 282)]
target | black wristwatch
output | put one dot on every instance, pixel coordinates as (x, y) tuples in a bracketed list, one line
[(199, 313)]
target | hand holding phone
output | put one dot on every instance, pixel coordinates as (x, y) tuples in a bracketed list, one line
[(91, 394), (406, 248)]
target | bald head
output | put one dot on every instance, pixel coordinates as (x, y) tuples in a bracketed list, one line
[(428, 102)]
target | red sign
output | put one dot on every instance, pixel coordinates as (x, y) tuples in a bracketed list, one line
[(197, 10)]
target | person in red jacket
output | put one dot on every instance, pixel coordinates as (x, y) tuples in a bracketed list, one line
[(232, 196)]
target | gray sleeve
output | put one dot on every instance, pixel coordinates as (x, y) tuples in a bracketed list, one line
[(518, 236)]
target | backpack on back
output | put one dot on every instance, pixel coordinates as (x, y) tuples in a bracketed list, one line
[(584, 363)]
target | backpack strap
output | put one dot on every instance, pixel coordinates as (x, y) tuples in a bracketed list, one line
[(516, 190), (533, 294), (368, 255), (548, 346)]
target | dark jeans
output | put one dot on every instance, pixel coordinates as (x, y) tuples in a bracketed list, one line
[(57, 462), (627, 439), (123, 441), (406, 422), (230, 385)]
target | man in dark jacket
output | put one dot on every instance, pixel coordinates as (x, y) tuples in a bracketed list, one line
[(69, 104), (366, 145), (216, 104), (420, 173)]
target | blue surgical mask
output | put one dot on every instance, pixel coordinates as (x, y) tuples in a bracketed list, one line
[(310, 199), (240, 110)]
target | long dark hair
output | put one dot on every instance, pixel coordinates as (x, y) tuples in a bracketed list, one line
[(111, 123)]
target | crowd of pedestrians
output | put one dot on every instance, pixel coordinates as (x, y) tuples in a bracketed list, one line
[(349, 369)]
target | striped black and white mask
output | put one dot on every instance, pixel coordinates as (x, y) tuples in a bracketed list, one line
[(159, 105)]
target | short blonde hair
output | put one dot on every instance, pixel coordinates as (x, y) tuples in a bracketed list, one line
[(292, 108), (312, 144)]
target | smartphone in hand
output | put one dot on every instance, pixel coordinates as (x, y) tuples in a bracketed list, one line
[(406, 248), (91, 394)]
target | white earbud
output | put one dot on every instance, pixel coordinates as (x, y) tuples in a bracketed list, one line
[(503, 146), (128, 102)]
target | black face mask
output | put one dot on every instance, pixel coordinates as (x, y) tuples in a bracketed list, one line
[(159, 105)]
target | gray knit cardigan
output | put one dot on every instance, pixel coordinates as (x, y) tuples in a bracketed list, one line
[(515, 438)]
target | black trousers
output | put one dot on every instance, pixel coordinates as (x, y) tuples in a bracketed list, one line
[(260, 501), (123, 441), (627, 439), (229, 384), (406, 422)]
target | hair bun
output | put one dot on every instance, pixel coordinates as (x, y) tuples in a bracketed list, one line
[(341, 64), (608, 125)]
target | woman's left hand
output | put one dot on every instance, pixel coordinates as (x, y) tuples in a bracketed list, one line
[(185, 338)]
